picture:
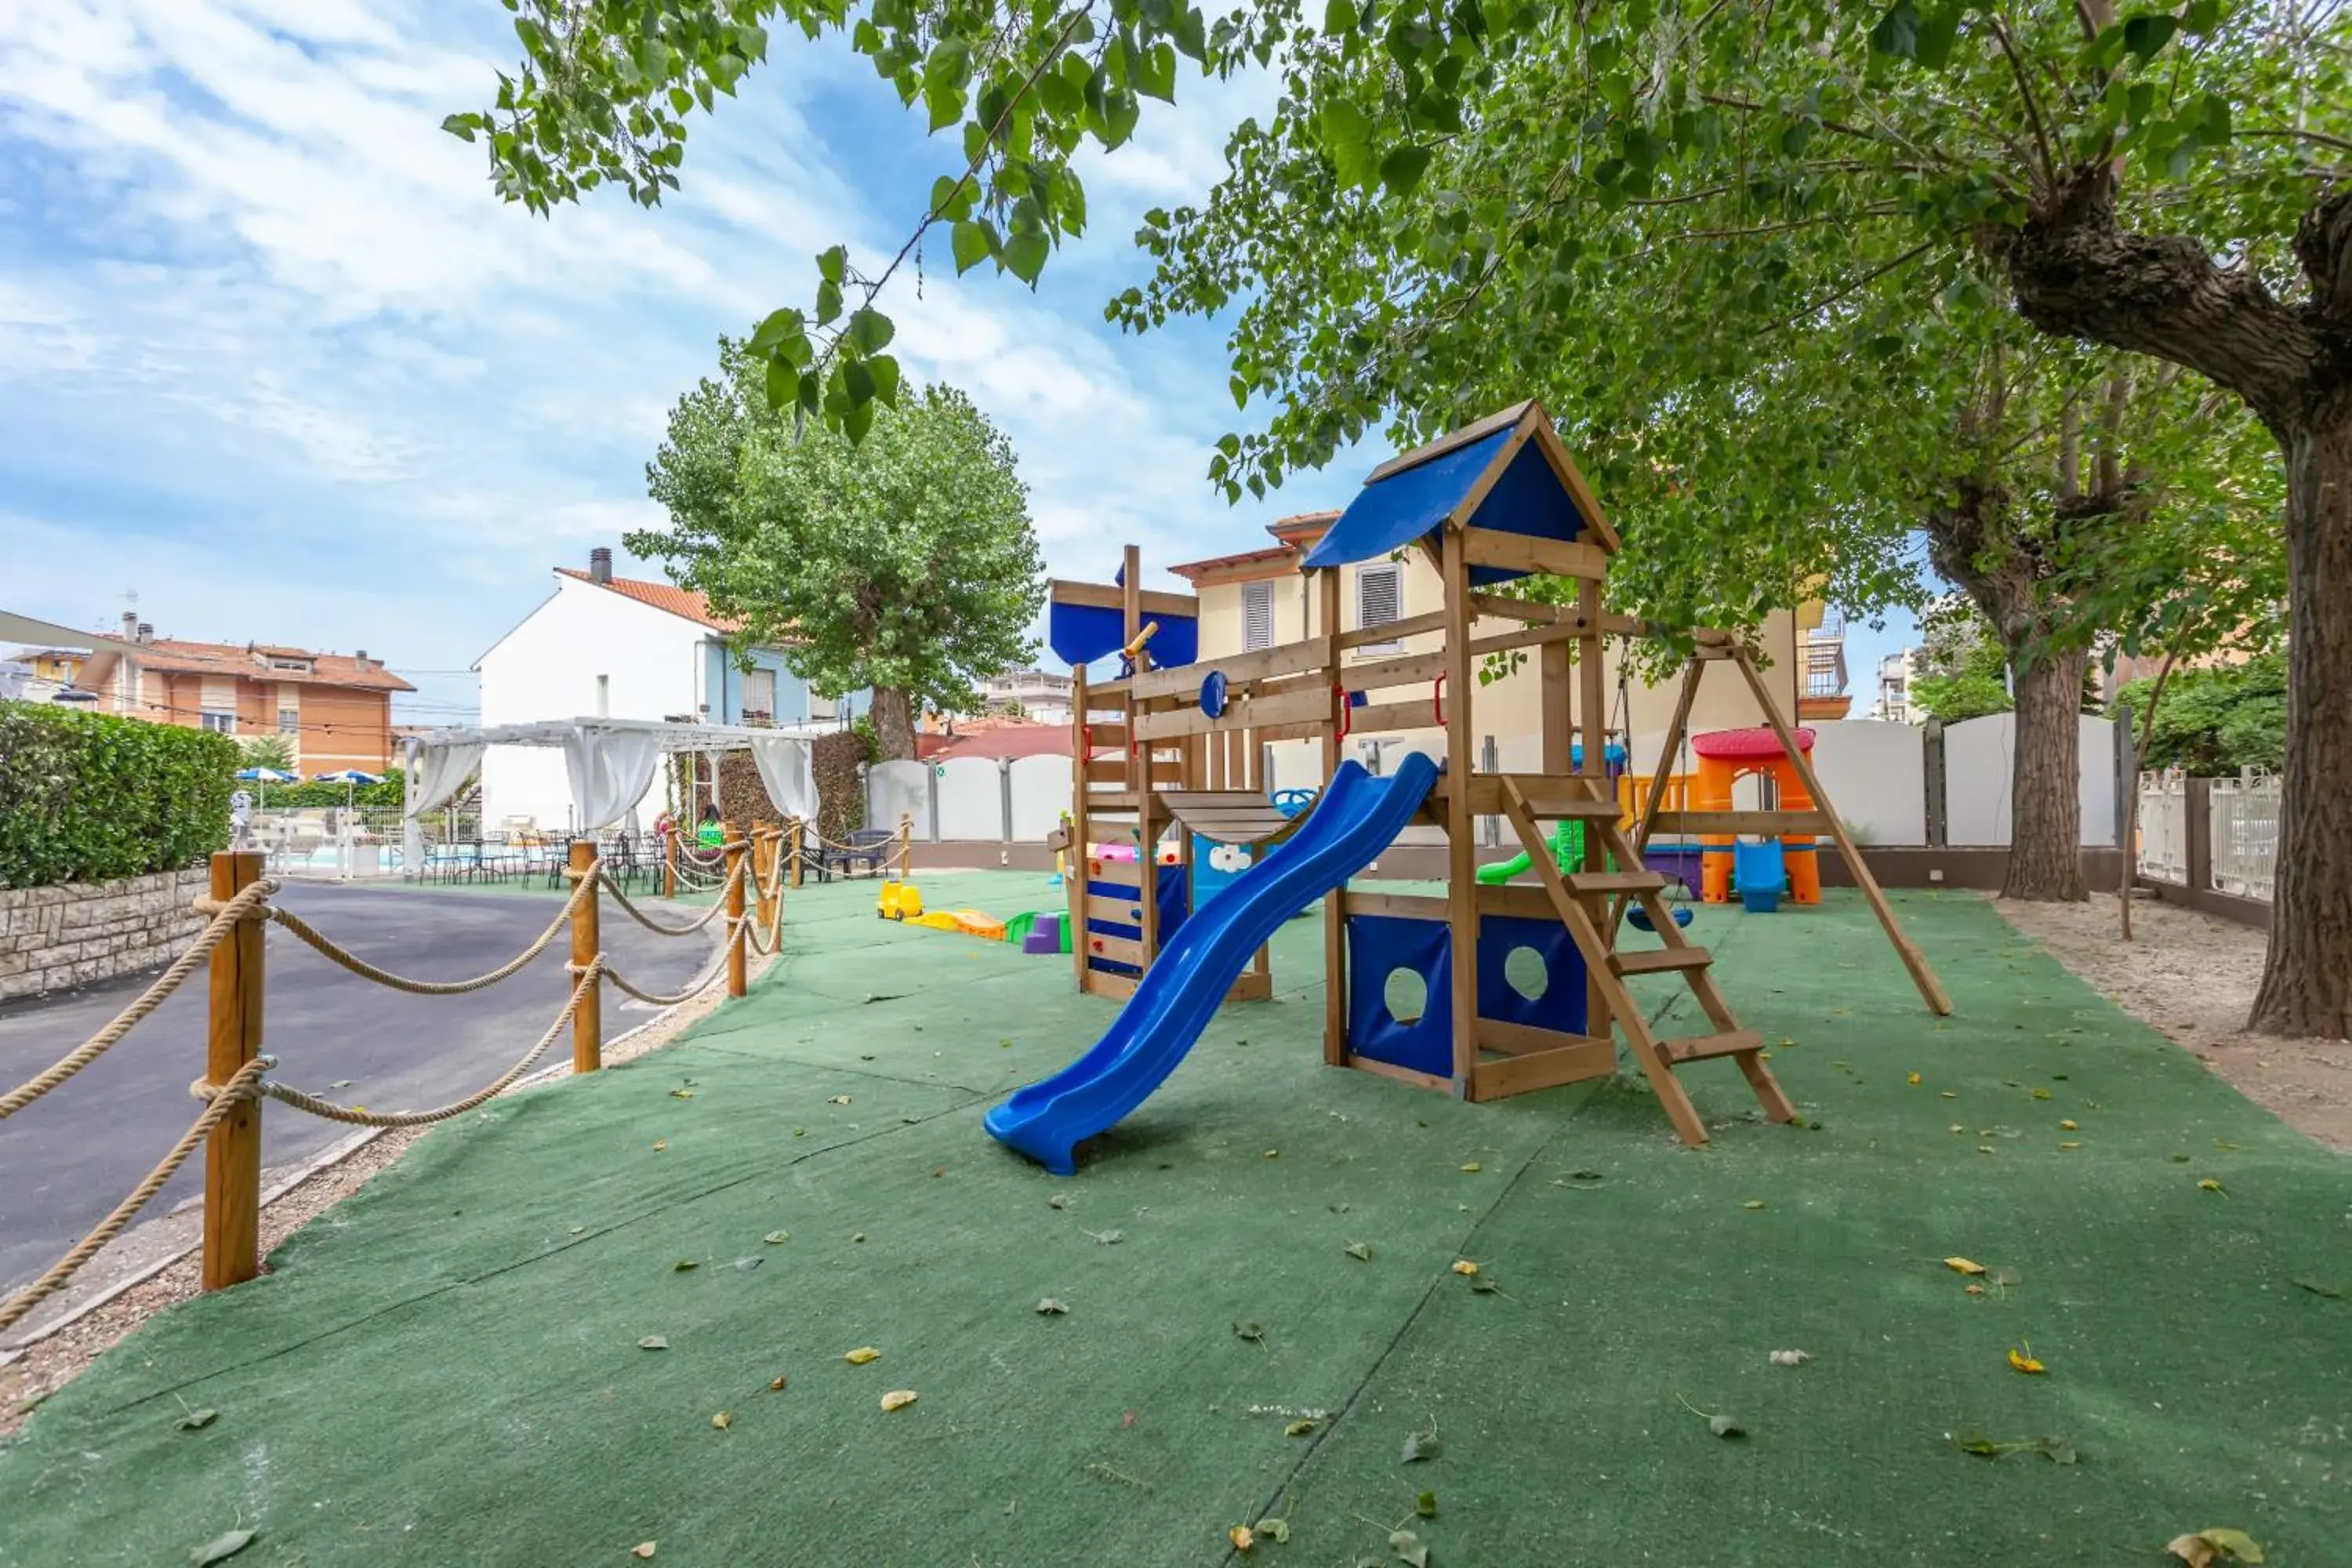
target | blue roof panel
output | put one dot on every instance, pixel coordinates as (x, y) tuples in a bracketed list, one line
[(1390, 513)]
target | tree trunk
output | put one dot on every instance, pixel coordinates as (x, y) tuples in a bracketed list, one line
[(2306, 986), (2046, 799), (894, 723)]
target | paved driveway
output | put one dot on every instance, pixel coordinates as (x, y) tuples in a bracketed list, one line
[(68, 1159)]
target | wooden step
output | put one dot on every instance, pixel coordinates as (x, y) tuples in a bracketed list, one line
[(1658, 960), (1615, 881), (1698, 1048)]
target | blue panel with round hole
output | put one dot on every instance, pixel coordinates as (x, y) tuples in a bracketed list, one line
[(1530, 973), (1392, 961)]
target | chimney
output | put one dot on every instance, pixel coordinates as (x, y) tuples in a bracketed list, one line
[(360, 658), (146, 631), (600, 565), (130, 626)]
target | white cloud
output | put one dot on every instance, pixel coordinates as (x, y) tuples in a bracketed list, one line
[(260, 314)]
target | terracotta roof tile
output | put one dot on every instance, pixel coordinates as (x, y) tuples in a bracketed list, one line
[(250, 661)]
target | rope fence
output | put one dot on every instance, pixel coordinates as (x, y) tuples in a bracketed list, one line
[(756, 873)]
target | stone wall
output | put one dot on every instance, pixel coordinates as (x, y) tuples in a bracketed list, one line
[(75, 932)]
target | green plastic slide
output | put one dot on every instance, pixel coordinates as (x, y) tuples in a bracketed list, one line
[(1567, 850)]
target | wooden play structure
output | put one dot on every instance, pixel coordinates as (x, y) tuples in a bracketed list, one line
[(1174, 744)]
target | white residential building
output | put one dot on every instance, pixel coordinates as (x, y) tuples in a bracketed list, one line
[(1043, 697), (1895, 672), (621, 648)]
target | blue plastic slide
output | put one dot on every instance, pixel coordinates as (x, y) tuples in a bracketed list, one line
[(1349, 824)]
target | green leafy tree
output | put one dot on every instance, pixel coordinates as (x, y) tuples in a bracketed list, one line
[(903, 562), (1960, 672), (2168, 183), (267, 752), (2216, 721)]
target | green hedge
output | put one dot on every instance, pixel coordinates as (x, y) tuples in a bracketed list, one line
[(88, 797), (314, 793)]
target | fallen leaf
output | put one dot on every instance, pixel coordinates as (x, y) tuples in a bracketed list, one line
[(2057, 1450), (722, 1420), (1253, 1333), (1298, 1430), (1422, 1446), (2223, 1143), (1791, 1358), (2024, 1362), (1464, 1266), (839, 1100), (681, 1094), (1949, 1093), (2210, 1185), (859, 1236), (1753, 1204), (1059, 1201), (1242, 1537), (776, 1384), (653, 1342), (340, 1083), (1972, 1441), (1274, 1530), (1424, 1506), (2207, 1546), (2317, 1288), (1049, 1306), (1914, 1078), (1274, 1153), (2069, 1126), (660, 1145), (1107, 1238), (1004, 1045), (1472, 1168), (746, 1265), (1408, 1548), (226, 1546), (1962, 1266), (197, 1420), (642, 1549), (683, 1264), (861, 1355), (2070, 1144), (1958, 1128), (2041, 1094), (1360, 1251), (898, 1399), (1485, 1286), (1586, 1176), (1973, 1289), (2003, 1275)]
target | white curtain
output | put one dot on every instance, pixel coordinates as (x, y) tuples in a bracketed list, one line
[(610, 770), (441, 773), (788, 768)]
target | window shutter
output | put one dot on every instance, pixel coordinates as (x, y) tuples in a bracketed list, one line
[(1379, 595), (1258, 615)]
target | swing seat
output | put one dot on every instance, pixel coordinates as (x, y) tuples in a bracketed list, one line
[(1638, 918)]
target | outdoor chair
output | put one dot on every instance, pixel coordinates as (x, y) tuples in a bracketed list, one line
[(868, 847)]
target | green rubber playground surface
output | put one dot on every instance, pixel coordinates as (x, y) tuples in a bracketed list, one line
[(448, 1369)]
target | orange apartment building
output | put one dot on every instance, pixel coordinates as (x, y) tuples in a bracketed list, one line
[(334, 710)]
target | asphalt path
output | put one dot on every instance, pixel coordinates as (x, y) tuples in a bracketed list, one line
[(69, 1158)]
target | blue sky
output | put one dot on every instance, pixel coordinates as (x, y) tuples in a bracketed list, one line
[(274, 359)]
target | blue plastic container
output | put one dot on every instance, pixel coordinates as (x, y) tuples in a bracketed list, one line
[(1760, 872)]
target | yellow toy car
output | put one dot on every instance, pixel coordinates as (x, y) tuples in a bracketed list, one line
[(899, 901)]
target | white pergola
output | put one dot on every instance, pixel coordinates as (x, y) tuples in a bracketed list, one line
[(611, 764)]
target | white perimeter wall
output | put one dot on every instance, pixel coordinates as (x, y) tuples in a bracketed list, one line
[(1978, 757), (1875, 775), (547, 668)]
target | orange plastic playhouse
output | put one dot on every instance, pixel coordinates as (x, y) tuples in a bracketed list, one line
[(1726, 756)]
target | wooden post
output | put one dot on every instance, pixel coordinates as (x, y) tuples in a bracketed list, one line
[(232, 1251), (1931, 990), (1334, 905), (669, 862), (1077, 828), (796, 830), (764, 872), (1593, 698), (907, 842), (1461, 848), (736, 931), (587, 941)]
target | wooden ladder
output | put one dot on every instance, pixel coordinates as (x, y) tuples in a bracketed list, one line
[(1581, 898)]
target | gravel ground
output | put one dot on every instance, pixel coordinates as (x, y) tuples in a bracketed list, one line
[(2193, 977), (48, 1365)]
